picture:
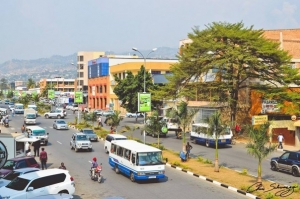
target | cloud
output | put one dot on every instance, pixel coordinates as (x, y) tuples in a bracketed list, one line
[(285, 17)]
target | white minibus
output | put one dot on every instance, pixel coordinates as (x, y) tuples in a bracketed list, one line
[(111, 137), (33, 107), (19, 108), (199, 135), (136, 160)]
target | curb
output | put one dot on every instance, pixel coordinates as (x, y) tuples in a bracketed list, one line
[(214, 182), (202, 177)]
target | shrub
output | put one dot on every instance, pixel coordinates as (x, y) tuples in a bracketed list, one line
[(269, 195), (176, 163), (200, 159), (207, 161), (244, 172)]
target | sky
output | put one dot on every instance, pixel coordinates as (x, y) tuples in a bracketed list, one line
[(33, 29)]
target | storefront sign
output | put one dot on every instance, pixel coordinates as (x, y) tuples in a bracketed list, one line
[(269, 106), (259, 119)]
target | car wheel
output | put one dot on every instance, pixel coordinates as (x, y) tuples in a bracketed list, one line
[(58, 116), (130, 116), (64, 191), (46, 116), (117, 170), (295, 172), (90, 149), (274, 166), (132, 177), (71, 147), (53, 126)]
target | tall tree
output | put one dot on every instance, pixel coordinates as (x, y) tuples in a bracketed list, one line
[(127, 89), (30, 83), (259, 145), (224, 59), (115, 119), (3, 84)]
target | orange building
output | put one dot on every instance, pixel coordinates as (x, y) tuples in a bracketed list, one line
[(98, 92)]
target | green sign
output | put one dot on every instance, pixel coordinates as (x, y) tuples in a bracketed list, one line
[(144, 102), (51, 94), (164, 129), (78, 97)]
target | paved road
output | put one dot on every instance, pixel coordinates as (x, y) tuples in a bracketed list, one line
[(176, 185)]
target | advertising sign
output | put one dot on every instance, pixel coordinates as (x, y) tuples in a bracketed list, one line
[(269, 106), (259, 119), (3, 154), (144, 102), (78, 97), (51, 94)]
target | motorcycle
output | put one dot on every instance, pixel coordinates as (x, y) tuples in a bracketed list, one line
[(97, 174)]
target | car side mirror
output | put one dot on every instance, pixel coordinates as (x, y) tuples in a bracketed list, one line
[(30, 189), (133, 160)]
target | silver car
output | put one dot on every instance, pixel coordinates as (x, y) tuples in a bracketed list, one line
[(60, 124), (15, 173), (90, 134)]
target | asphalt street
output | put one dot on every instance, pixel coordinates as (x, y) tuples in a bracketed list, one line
[(176, 185)]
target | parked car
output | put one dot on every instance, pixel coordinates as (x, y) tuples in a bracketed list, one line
[(63, 110), (18, 163), (172, 123), (13, 174), (74, 107), (39, 183), (92, 136), (11, 107), (134, 115), (98, 111), (58, 113), (69, 106), (6, 102), (60, 124), (80, 141), (287, 162), (107, 113)]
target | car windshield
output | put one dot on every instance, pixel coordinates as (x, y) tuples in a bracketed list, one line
[(12, 175), (60, 122), (9, 164), (81, 137), (18, 184), (121, 138), (38, 132), (34, 108), (88, 131), (149, 158), (18, 107), (31, 116)]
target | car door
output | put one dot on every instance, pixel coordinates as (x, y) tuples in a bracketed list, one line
[(52, 113), (282, 161), (37, 188), (290, 161)]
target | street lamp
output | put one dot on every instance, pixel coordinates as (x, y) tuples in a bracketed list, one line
[(135, 49)]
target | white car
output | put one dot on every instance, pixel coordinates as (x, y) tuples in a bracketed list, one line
[(58, 113), (15, 173), (80, 141), (39, 183)]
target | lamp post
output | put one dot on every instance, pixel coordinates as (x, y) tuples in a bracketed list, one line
[(135, 49)]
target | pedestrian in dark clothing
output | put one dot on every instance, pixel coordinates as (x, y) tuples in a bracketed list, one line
[(188, 150), (23, 129), (43, 158), (36, 147)]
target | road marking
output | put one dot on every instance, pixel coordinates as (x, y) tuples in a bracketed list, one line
[(59, 142)]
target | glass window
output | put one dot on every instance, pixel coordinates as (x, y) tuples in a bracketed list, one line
[(81, 66), (18, 184), (149, 158), (38, 183), (293, 156), (9, 165), (81, 74), (127, 154), (120, 151), (285, 156), (81, 58), (81, 82), (12, 175), (21, 164), (113, 149), (32, 161), (133, 158)]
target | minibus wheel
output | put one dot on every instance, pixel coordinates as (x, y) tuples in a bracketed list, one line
[(132, 177)]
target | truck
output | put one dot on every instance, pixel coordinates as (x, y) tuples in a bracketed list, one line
[(29, 116), (13, 145)]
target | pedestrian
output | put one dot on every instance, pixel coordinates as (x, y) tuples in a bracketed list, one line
[(188, 150), (280, 139), (100, 121), (36, 147), (111, 130), (237, 129), (62, 166), (82, 109), (23, 129), (43, 158), (13, 112)]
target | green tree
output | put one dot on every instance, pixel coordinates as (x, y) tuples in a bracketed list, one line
[(130, 130), (90, 117), (3, 84), (114, 119), (30, 83), (25, 100), (259, 145), (225, 59), (216, 129), (127, 89), (184, 116), (10, 94)]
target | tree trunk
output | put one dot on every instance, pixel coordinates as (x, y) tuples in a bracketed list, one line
[(158, 140), (259, 171), (216, 157)]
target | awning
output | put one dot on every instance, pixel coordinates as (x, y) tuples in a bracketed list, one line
[(297, 123)]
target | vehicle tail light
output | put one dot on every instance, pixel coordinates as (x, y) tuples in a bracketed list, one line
[(71, 178)]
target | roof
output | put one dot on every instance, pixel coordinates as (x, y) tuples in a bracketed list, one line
[(35, 128), (43, 173), (117, 135), (135, 146)]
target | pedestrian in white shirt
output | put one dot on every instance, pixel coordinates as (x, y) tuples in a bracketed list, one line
[(280, 139), (100, 122)]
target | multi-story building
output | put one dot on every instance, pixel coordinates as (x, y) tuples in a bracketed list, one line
[(82, 67), (59, 84), (19, 83), (101, 78)]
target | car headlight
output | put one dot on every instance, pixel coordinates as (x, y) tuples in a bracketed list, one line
[(141, 173)]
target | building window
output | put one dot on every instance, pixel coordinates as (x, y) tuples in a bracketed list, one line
[(124, 75), (120, 75), (155, 72), (71, 83), (81, 58), (100, 89), (104, 89), (81, 74), (81, 82), (78, 74), (168, 72), (81, 66)]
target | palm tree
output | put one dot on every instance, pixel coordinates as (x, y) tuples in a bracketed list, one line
[(90, 117), (130, 130), (216, 129), (258, 145), (115, 119), (30, 83), (185, 116)]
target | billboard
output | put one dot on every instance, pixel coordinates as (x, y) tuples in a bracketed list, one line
[(78, 97), (259, 119), (144, 102), (51, 94)]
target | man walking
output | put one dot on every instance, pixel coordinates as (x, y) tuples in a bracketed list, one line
[(36, 147), (100, 122), (43, 158), (280, 139), (13, 112)]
